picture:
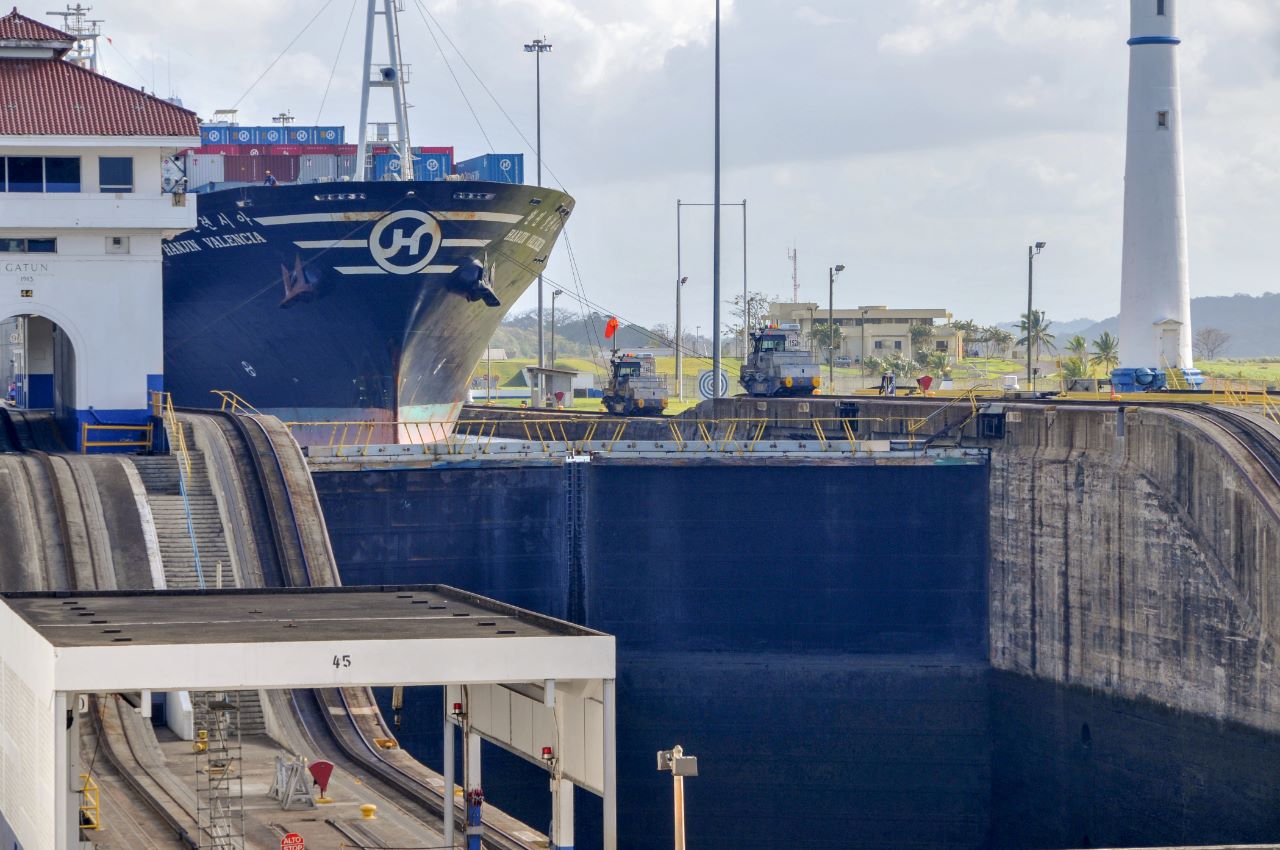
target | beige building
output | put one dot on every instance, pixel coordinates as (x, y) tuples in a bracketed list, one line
[(874, 331)]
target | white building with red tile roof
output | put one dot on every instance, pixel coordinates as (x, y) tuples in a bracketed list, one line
[(83, 210)]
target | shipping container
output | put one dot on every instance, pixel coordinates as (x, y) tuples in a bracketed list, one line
[(318, 168), (253, 169), (434, 166), (346, 150), (317, 149), (242, 136), (444, 150), (330, 135), (215, 134), (493, 167), (284, 150), (347, 167), (271, 135), (255, 150), (222, 149), (203, 169)]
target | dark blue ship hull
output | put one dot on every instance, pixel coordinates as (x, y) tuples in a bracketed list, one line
[(349, 301)]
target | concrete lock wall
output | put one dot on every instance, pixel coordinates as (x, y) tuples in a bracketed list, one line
[(1142, 564)]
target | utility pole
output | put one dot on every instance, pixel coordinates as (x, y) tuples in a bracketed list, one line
[(715, 242), (1032, 251), (538, 47), (832, 274), (794, 256), (680, 282)]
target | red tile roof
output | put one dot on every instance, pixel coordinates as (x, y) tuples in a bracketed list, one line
[(50, 97), (17, 27)]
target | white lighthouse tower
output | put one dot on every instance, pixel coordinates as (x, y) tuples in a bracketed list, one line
[(1155, 297)]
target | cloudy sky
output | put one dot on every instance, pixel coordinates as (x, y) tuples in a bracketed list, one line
[(921, 143)]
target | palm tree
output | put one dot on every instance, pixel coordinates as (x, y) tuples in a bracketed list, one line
[(999, 339), (1038, 336), (1078, 346), (825, 337), (1075, 367), (1106, 352)]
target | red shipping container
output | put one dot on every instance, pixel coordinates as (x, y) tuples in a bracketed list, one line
[(321, 150), (448, 150), (253, 169), (255, 150), (345, 150), (382, 149), (285, 150), (216, 149)]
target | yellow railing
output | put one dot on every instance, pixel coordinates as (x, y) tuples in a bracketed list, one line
[(90, 803), (88, 431), (162, 406), (232, 403), (360, 438), (163, 402)]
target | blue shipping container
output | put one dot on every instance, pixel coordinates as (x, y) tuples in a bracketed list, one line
[(330, 136), (216, 135), (493, 167), (272, 135), (243, 136), (426, 166)]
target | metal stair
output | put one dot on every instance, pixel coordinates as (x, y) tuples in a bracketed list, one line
[(159, 475), (249, 720)]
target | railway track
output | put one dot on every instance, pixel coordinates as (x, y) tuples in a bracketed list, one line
[(325, 715)]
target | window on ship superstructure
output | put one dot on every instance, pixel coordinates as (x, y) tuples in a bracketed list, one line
[(1160, 7), (115, 174)]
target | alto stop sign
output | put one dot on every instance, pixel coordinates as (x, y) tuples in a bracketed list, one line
[(292, 841)]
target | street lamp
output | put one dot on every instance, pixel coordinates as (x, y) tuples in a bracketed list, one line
[(697, 339), (679, 342), (1032, 252), (554, 296), (832, 274), (679, 765), (538, 47)]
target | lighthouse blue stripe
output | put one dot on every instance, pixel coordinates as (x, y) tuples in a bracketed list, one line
[(1154, 39)]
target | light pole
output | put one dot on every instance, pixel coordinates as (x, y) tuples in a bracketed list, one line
[(680, 282), (715, 237), (679, 766), (864, 348), (1032, 251), (832, 274), (554, 296), (538, 47), (697, 339)]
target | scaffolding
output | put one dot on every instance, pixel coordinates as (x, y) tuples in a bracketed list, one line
[(219, 778)]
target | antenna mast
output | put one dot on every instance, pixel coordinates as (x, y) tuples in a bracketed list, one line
[(794, 256), (393, 75), (86, 32)]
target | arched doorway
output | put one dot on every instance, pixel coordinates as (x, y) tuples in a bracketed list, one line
[(38, 365)]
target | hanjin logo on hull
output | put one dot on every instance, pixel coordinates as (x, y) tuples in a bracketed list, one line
[(405, 242)]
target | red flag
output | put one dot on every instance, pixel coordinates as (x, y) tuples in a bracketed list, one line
[(610, 327)]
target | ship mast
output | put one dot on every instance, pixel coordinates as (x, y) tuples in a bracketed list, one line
[(393, 75), (86, 32)]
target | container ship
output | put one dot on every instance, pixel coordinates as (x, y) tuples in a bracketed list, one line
[(317, 296), (325, 298)]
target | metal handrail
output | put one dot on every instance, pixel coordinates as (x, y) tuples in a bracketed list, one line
[(736, 434), (87, 428), (232, 403), (178, 441)]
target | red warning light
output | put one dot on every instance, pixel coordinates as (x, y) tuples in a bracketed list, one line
[(546, 754)]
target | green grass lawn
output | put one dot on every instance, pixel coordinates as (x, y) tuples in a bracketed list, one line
[(1249, 370)]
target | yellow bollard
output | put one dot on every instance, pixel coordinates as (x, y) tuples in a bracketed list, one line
[(369, 812)]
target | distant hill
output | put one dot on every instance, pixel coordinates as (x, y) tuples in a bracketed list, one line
[(1251, 320)]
